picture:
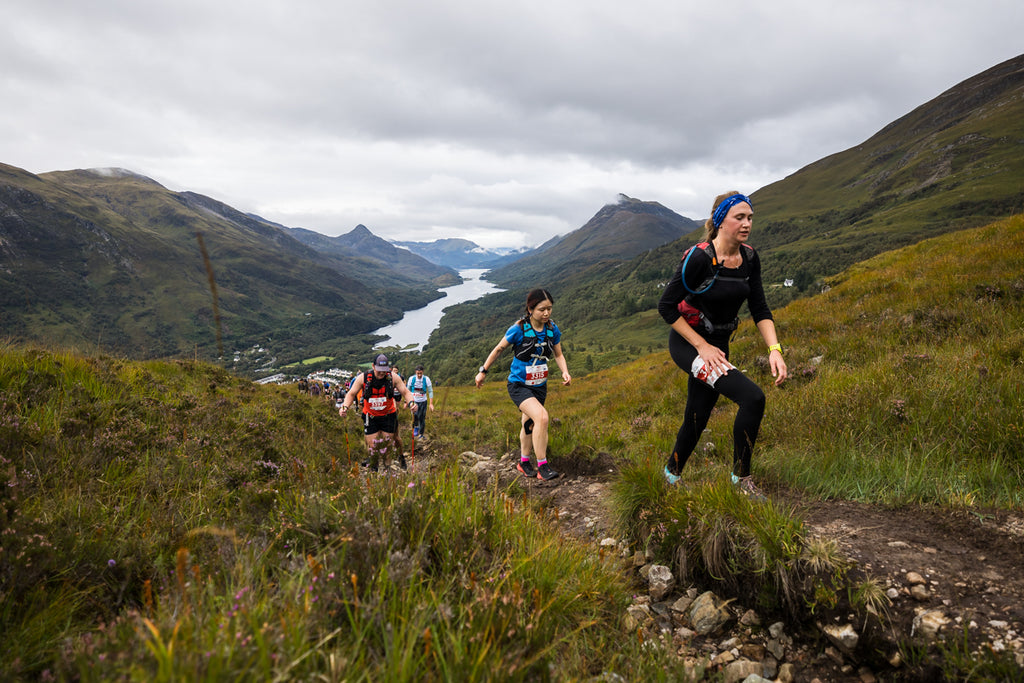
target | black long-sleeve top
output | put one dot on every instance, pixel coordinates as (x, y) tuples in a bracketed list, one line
[(722, 302)]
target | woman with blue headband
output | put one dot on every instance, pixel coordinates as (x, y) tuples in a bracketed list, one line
[(701, 302)]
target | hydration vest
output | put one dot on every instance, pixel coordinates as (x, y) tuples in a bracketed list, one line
[(378, 395), (689, 307), (524, 351), (422, 389)]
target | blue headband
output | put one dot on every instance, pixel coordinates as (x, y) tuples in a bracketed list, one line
[(723, 209)]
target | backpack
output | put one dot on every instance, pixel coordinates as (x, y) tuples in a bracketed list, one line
[(412, 384), (524, 352)]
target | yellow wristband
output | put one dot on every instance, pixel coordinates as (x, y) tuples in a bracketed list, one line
[(775, 347)]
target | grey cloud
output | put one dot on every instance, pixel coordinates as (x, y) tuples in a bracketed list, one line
[(514, 120)]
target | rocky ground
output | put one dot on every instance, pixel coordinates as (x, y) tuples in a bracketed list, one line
[(948, 574)]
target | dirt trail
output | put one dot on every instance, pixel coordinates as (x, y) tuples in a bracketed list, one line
[(967, 563)]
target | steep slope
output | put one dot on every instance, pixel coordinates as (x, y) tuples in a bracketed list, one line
[(617, 232), (111, 259), (952, 163)]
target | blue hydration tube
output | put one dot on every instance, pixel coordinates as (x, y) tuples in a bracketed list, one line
[(683, 274)]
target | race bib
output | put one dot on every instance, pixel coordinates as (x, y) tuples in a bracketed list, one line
[(536, 374), (378, 403)]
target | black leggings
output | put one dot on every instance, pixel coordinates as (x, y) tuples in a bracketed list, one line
[(701, 399)]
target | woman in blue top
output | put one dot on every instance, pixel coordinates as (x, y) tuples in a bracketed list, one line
[(534, 340)]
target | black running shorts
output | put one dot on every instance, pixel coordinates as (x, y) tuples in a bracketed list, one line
[(519, 392), (384, 423)]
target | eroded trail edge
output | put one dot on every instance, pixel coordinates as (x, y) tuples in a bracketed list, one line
[(953, 579)]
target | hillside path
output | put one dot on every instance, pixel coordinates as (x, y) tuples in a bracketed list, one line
[(962, 567)]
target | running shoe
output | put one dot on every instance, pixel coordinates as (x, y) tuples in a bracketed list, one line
[(545, 472), (401, 461), (672, 479), (746, 486), (527, 468)]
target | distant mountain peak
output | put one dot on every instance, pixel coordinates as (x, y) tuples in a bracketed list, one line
[(457, 252), (618, 231)]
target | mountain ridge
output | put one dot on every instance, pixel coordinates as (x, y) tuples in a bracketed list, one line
[(954, 162), (617, 232), (361, 243), (108, 256), (113, 259)]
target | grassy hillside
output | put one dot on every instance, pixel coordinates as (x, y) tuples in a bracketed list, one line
[(168, 520), (910, 361), (114, 261), (956, 161), (165, 520)]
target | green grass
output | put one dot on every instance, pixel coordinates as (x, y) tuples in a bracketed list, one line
[(917, 394), (167, 520), (308, 361)]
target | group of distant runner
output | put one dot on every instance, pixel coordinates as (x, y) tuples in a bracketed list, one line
[(700, 303), (322, 388)]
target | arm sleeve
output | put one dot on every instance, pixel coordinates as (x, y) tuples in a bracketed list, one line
[(756, 301)]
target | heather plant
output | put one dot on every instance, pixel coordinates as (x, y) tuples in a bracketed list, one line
[(409, 581)]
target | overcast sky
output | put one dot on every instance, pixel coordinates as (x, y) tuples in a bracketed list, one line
[(502, 122)]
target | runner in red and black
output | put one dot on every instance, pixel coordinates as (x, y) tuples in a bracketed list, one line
[(378, 388)]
